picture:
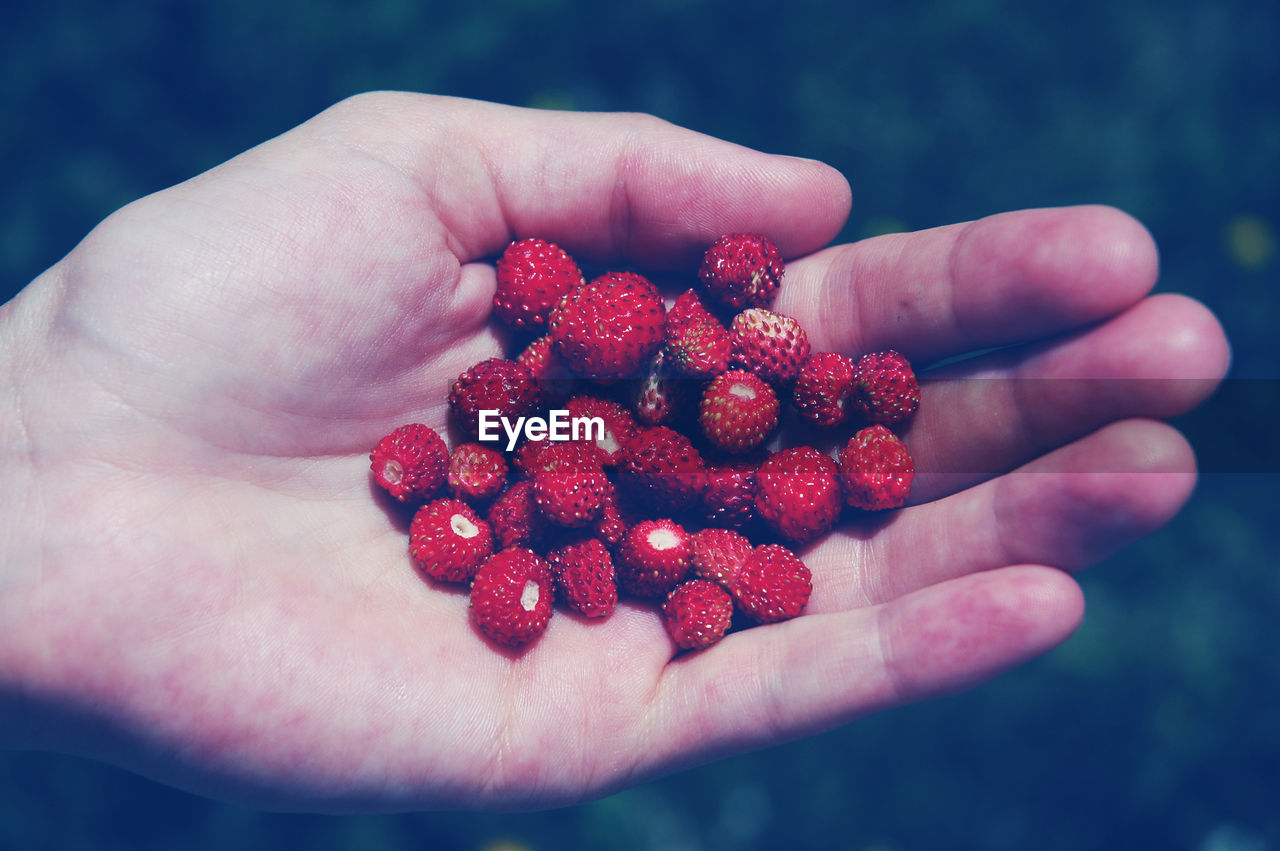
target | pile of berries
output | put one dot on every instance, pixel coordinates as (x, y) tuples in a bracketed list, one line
[(671, 495)]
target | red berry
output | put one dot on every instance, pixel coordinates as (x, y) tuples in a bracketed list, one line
[(619, 425), (772, 584), (771, 345), (659, 397), (660, 466), (697, 613), (548, 370), (730, 496), (798, 493), (525, 458), (569, 482), (540, 357), (533, 275), (718, 554), (876, 469), (742, 270), (654, 555), (584, 578), (738, 412), (411, 463), (822, 389), (515, 518), (696, 343), (610, 327), (570, 497), (497, 385), (448, 540), (476, 472), (564, 456), (511, 596), (885, 389), (610, 526)]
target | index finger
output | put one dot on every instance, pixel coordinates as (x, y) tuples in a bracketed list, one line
[(609, 187), (1007, 278)]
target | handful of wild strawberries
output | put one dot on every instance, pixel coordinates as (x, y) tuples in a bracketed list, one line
[(650, 477)]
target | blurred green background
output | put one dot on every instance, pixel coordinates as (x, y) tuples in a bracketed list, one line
[(1156, 726)]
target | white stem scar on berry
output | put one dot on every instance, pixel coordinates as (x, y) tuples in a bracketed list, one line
[(463, 527), (663, 539), (393, 472), (608, 442), (742, 391), (529, 596)]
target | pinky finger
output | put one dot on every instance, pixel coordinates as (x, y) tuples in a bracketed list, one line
[(769, 685)]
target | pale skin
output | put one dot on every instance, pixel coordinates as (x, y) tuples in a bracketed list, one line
[(200, 583)]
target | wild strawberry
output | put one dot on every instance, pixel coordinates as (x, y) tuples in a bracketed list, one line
[(548, 369), (619, 425), (515, 518), (885, 389), (569, 482), (511, 596), (772, 584), (448, 540), (660, 466), (798, 493), (411, 463), (533, 275), (476, 472), (495, 384), (525, 458), (660, 397), (718, 554), (739, 410), (696, 343), (564, 456), (876, 469), (609, 327), (569, 497), (697, 613), (729, 499), (654, 555), (540, 357), (742, 270), (822, 389), (584, 578), (610, 525), (771, 345)]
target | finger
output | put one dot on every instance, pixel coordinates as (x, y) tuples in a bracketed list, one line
[(989, 415), (768, 685), (1069, 509), (611, 188), (1007, 278)]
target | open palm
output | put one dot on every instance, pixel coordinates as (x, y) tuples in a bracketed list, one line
[(205, 587)]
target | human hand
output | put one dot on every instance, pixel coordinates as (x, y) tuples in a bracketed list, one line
[(200, 585)]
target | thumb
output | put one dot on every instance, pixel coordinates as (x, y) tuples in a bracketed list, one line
[(611, 188)]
